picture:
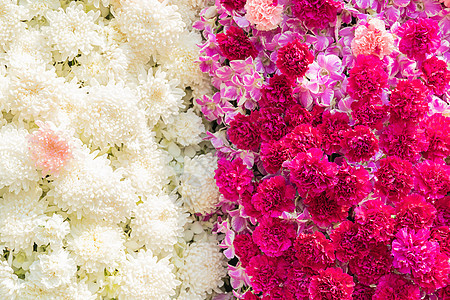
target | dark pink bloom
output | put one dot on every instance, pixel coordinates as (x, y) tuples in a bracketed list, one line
[(437, 128), (274, 236), (408, 101), (278, 93), (359, 144), (234, 44), (247, 206), (314, 251), (301, 139), (332, 128), (419, 37), (279, 293), (244, 131), (293, 59), (432, 179), (404, 140), (374, 220), (315, 13), (271, 124), (296, 115), (317, 115), (414, 213), (437, 277), (349, 241), (250, 296), (273, 154), (442, 236), (312, 173), (325, 210), (444, 293), (364, 113), (394, 178), (371, 267), (266, 272), (298, 280), (274, 197), (363, 292), (443, 211), (233, 178), (396, 287), (245, 248), (331, 284), (412, 251), (436, 75), (367, 78), (233, 4)]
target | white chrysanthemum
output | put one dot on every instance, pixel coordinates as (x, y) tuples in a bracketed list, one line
[(90, 188), (16, 168), (180, 60), (96, 246), (157, 223), (72, 291), (202, 270), (144, 277), (189, 9), (198, 186), (20, 217), (29, 50), (150, 26), (186, 129), (35, 8), (112, 116), (147, 169), (53, 270), (9, 282), (52, 231), (159, 97), (72, 30), (10, 22)]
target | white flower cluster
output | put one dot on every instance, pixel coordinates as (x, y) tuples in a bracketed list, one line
[(104, 173)]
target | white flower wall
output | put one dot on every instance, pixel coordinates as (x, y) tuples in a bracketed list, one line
[(104, 173)]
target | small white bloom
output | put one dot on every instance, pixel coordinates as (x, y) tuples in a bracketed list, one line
[(9, 282), (53, 231), (186, 129)]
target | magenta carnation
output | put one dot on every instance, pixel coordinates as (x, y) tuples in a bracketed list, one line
[(432, 179), (363, 292), (234, 44), (274, 236), (316, 13), (374, 220), (325, 210), (408, 101), (443, 211), (274, 197), (419, 37), (437, 277), (436, 75), (293, 59), (312, 173), (349, 241), (371, 267), (442, 236), (278, 93), (414, 213), (364, 113), (301, 139), (273, 154), (437, 128), (331, 284), (245, 248), (332, 128), (314, 251), (367, 78), (233, 178), (266, 272), (244, 131), (296, 115), (395, 287), (233, 4), (394, 178), (359, 144), (298, 280), (271, 124)]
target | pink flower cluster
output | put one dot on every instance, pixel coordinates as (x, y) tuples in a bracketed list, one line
[(333, 140)]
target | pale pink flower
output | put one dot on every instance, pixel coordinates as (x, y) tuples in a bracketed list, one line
[(263, 14), (372, 38), (49, 149)]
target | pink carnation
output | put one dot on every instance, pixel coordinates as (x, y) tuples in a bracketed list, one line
[(359, 144), (395, 287), (432, 179), (437, 128), (443, 211), (312, 173), (266, 272), (274, 236), (244, 131), (325, 210), (49, 149), (314, 251), (436, 75), (331, 284), (437, 277), (316, 13), (233, 4), (301, 139), (364, 113), (274, 197), (332, 128), (245, 248), (367, 78), (371, 267), (296, 115), (234, 44), (278, 93), (271, 124), (273, 154), (372, 38), (363, 292), (442, 236), (374, 220), (419, 37), (233, 178), (349, 241), (293, 59), (414, 213), (264, 14), (394, 178)]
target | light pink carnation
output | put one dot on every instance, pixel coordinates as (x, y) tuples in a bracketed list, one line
[(49, 149), (263, 14), (372, 38)]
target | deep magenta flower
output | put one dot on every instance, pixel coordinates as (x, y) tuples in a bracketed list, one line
[(274, 197), (432, 179), (266, 272), (296, 115), (442, 236), (271, 124), (442, 206), (395, 287), (274, 236), (273, 154), (414, 213), (331, 284), (349, 241), (233, 4), (244, 131), (367, 114), (301, 139), (316, 13), (314, 251), (371, 267), (277, 93), (293, 59), (375, 221), (233, 178), (436, 75), (437, 277), (359, 144), (312, 173), (234, 44), (419, 37), (325, 210), (245, 248), (363, 292), (437, 128), (332, 128)]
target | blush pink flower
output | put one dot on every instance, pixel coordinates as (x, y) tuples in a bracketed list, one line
[(372, 38), (264, 14), (293, 59), (49, 149), (331, 284)]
